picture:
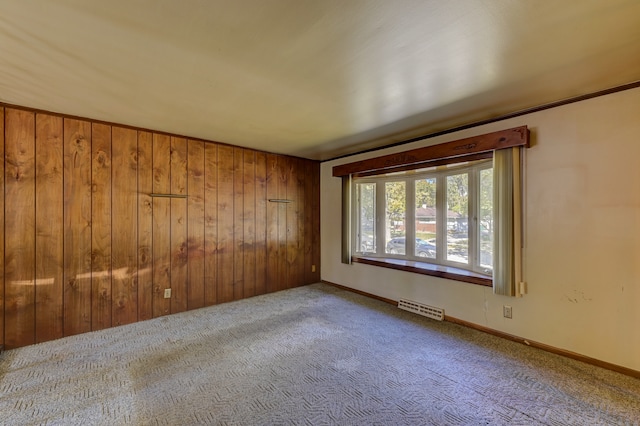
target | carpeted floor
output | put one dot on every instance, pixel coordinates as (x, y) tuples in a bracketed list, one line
[(314, 355)]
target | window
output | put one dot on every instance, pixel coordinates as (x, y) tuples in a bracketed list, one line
[(441, 215), (451, 210)]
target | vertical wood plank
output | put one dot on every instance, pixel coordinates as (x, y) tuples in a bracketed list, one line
[(124, 304), (261, 222), (273, 246), (292, 224), (179, 250), (238, 224), (249, 217), (300, 216), (144, 275), (211, 224), (195, 225), (283, 213), (19, 224), (308, 221), (2, 208), (49, 235), (225, 224), (315, 232), (100, 226), (161, 238), (77, 226)]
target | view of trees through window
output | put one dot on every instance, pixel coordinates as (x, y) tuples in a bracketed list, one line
[(486, 218), (366, 233), (445, 216), (396, 211), (458, 217), (426, 216)]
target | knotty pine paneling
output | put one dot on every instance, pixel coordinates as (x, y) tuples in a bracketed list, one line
[(284, 174), (272, 213), (19, 243), (124, 219), (49, 229), (101, 157), (86, 247), (238, 224), (249, 222), (161, 215), (295, 239), (300, 209), (179, 250), (144, 273), (195, 225), (314, 176), (210, 224), (77, 227), (226, 218), (308, 229), (261, 222)]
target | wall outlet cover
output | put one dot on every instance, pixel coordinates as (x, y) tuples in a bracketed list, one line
[(507, 312)]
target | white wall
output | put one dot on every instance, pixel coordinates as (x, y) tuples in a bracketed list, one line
[(582, 235)]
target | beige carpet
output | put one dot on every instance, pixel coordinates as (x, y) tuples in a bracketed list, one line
[(314, 355)]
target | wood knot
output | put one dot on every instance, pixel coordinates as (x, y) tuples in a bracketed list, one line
[(103, 159)]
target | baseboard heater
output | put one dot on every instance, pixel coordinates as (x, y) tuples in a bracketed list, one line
[(421, 309)]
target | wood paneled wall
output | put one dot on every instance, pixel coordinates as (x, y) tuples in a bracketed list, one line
[(85, 246)]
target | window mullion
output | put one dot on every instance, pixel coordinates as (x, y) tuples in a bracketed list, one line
[(410, 220), (380, 218), (472, 226), (441, 218)]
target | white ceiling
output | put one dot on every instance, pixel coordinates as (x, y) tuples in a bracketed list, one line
[(312, 78)]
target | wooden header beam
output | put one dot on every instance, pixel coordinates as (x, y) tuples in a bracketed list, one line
[(455, 150)]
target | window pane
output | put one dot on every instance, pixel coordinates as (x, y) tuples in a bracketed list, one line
[(486, 219), (458, 218), (426, 229), (395, 212), (366, 225)]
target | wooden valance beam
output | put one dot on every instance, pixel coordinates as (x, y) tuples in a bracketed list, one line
[(455, 150)]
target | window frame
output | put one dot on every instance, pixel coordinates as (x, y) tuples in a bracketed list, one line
[(473, 266), (456, 151)]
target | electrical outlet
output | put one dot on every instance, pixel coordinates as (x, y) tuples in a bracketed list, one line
[(167, 293), (507, 312)]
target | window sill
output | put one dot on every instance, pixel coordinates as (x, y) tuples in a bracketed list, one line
[(424, 268)]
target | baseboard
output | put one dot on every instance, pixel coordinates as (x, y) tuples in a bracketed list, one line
[(547, 348), (363, 293)]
